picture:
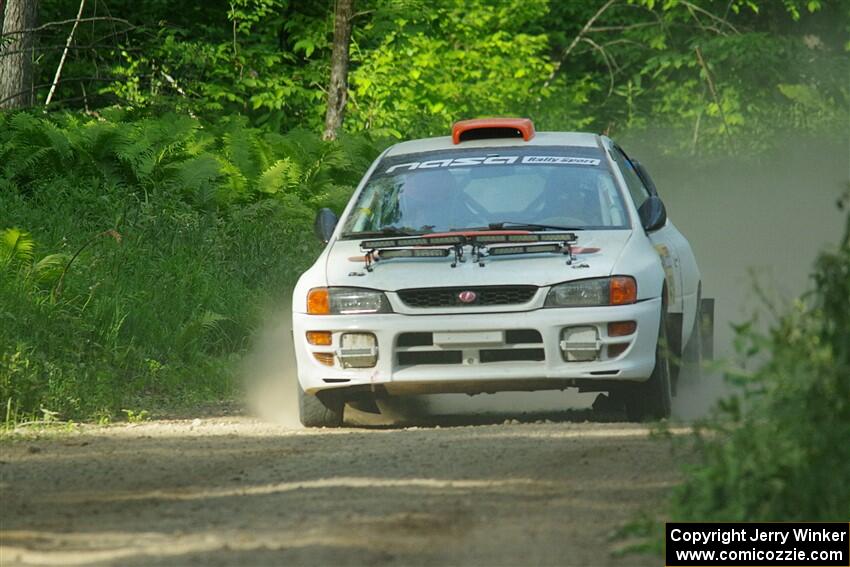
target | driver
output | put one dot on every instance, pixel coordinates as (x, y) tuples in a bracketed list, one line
[(571, 198), (428, 200)]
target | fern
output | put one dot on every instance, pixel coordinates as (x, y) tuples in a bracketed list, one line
[(17, 259), (241, 147), (360, 151), (35, 147), (57, 142), (98, 144), (283, 175), (234, 184), (16, 248), (198, 328), (195, 172), (153, 144), (221, 163), (48, 270)]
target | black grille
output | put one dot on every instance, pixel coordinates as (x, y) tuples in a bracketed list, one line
[(450, 296), (415, 339), (518, 336), (506, 355), (512, 337), (430, 357)]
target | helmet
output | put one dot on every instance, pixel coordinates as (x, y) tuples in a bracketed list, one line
[(426, 198), (571, 194)]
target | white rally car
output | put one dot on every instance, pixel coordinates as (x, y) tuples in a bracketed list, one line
[(496, 259)]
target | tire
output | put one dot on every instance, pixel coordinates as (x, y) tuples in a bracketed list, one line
[(314, 411), (652, 399)]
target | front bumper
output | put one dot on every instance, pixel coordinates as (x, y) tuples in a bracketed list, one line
[(474, 372)]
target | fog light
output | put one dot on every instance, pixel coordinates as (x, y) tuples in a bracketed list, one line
[(326, 358), (319, 338), (621, 328), (580, 344), (358, 350), (616, 350)]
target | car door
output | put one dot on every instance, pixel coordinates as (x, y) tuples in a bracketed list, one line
[(664, 239)]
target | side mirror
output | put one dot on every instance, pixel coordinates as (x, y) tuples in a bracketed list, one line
[(645, 177), (653, 214), (325, 224)]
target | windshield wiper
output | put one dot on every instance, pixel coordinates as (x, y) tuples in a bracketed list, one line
[(528, 225), (386, 231)]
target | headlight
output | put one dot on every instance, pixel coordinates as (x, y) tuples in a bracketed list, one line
[(616, 290), (346, 301)]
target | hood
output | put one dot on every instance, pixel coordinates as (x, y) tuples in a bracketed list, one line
[(596, 251)]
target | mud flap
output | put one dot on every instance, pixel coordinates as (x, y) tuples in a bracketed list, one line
[(707, 327), (364, 402), (675, 349)]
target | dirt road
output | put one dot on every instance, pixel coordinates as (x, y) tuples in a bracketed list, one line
[(228, 490)]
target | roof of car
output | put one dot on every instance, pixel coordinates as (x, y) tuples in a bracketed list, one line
[(584, 139)]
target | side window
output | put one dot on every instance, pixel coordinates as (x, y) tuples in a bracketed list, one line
[(637, 190)]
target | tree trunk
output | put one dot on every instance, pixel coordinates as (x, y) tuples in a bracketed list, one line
[(16, 56), (338, 88)]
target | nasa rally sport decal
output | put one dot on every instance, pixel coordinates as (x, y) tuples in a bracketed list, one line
[(492, 160)]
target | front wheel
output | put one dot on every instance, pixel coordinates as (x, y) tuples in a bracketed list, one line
[(653, 399), (324, 411)]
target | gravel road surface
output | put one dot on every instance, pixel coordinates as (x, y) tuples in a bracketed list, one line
[(234, 490)]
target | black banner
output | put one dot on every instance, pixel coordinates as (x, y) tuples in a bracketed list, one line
[(807, 544)]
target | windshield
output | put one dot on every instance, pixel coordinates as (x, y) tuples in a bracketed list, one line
[(567, 187)]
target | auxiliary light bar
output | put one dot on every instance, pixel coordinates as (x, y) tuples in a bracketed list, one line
[(412, 241), (460, 239), (530, 249), (413, 253), (530, 237)]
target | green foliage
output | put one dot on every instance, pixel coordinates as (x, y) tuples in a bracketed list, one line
[(780, 451), (438, 62), (15, 248), (265, 58), (150, 246), (136, 416), (702, 76)]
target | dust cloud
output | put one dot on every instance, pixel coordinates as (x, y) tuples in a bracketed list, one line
[(756, 227), (698, 390), (268, 376)]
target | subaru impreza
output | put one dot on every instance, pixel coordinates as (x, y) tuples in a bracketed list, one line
[(498, 259)]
